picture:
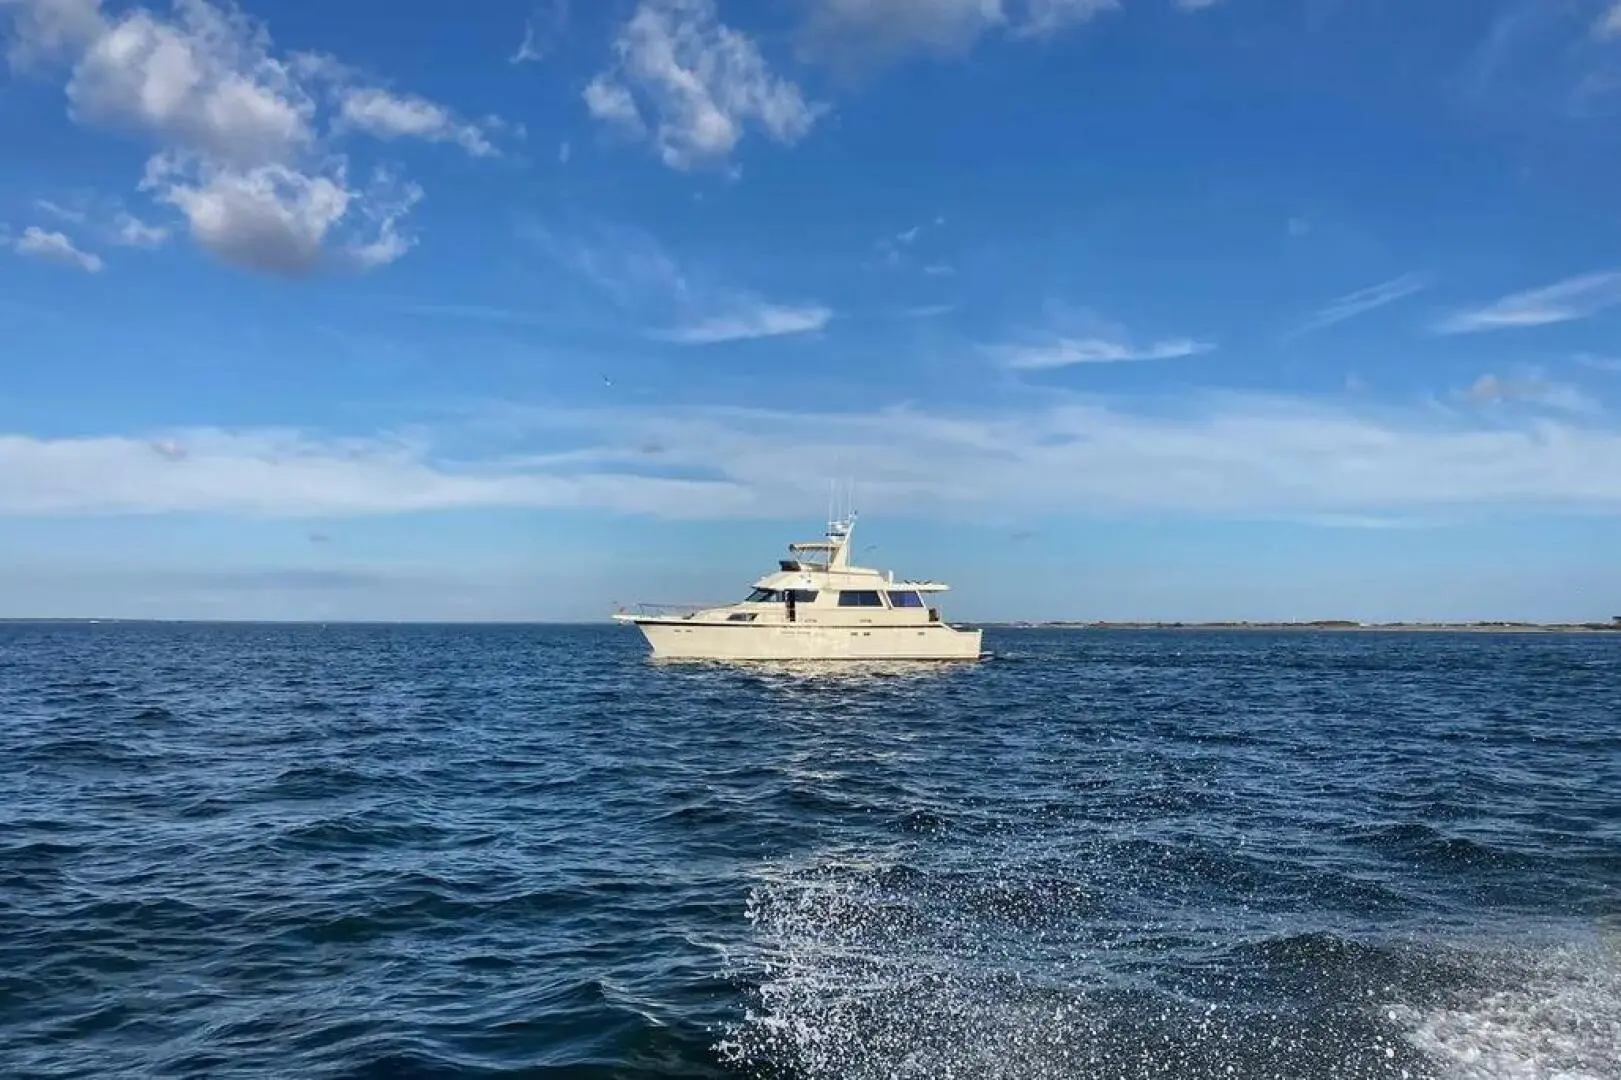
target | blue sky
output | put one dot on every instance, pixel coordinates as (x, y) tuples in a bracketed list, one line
[(1135, 309)]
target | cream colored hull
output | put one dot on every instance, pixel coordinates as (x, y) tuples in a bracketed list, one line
[(691, 640)]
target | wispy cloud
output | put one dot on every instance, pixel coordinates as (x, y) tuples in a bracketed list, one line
[(55, 247), (897, 250), (751, 319), (1228, 455), (1361, 302), (103, 218), (1609, 23), (72, 214), (1533, 390), (545, 25), (387, 115), (131, 231), (690, 84), (1363, 521), (1599, 363), (1065, 352), (643, 281), (1574, 298)]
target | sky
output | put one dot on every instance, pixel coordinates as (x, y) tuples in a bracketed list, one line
[(1102, 309)]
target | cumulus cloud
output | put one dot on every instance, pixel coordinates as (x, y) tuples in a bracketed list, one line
[(240, 149), (1231, 455), (693, 85), (1574, 298), (57, 248)]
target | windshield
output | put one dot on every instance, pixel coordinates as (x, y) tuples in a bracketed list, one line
[(762, 596)]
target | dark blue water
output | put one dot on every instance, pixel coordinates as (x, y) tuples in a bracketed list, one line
[(501, 851)]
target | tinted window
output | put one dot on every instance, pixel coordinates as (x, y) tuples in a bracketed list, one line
[(905, 599), (762, 596), (860, 599), (803, 596)]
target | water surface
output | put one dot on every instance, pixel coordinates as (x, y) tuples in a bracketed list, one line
[(234, 851)]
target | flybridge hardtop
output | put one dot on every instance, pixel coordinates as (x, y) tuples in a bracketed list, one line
[(815, 605)]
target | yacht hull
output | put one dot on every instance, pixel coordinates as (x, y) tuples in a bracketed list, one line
[(692, 640)]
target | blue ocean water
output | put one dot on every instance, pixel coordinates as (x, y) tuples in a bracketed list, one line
[(413, 851)]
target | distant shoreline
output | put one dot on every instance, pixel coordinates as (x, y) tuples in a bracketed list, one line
[(1329, 626)]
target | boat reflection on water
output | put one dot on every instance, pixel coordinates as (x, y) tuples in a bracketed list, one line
[(842, 672)]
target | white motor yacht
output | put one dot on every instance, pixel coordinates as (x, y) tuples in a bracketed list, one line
[(815, 606)]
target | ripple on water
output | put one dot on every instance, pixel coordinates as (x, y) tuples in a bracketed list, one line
[(518, 851)]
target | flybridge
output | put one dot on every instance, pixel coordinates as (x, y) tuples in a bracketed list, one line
[(826, 554)]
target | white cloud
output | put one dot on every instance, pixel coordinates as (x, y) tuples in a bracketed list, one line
[(57, 248), (236, 130), (205, 83), (392, 116), (279, 220), (1231, 455), (104, 218), (1363, 301), (643, 281), (1533, 390), (693, 84), (753, 319), (1609, 24), (48, 29), (280, 473), (610, 102), (1196, 5), (133, 232), (1066, 351), (1045, 17), (548, 23), (1574, 298), (71, 214)]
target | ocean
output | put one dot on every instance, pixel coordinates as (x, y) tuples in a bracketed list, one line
[(530, 851)]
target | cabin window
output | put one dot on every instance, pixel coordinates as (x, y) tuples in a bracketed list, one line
[(762, 596), (741, 616), (803, 596), (860, 599), (905, 599)]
